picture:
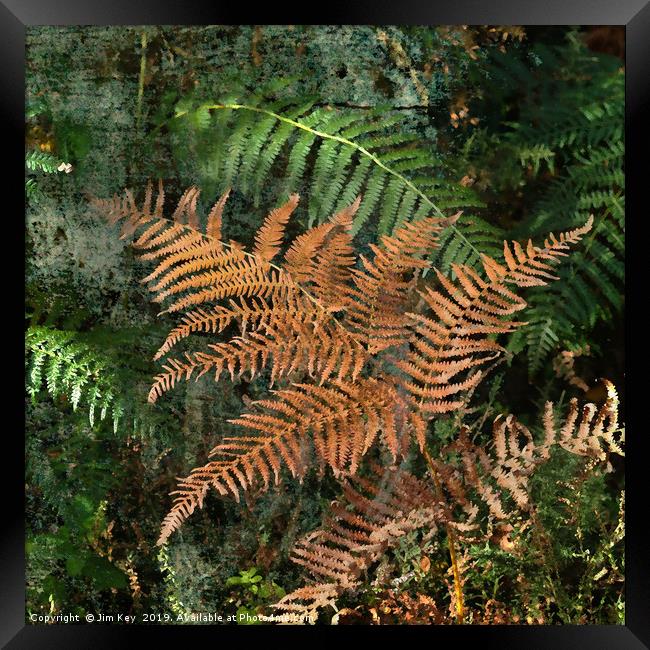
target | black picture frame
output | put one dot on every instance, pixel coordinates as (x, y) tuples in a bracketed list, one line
[(16, 15)]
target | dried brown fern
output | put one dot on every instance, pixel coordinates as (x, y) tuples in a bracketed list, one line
[(590, 432), (281, 323), (564, 366), (364, 362), (374, 513), (467, 312), (371, 516)]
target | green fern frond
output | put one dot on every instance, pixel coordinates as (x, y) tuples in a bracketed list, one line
[(37, 161), (584, 139), (334, 154), (541, 338), (31, 188), (65, 367), (42, 161), (454, 249)]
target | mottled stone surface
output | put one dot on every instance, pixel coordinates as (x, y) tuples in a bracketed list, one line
[(88, 80)]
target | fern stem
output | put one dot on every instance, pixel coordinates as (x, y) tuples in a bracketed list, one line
[(451, 543), (328, 136)]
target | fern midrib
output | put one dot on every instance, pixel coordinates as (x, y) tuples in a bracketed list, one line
[(328, 136), (451, 543)]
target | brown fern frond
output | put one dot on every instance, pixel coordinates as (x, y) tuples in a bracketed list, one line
[(213, 227), (375, 512), (303, 605), (370, 517), (124, 209), (254, 313), (339, 423), (590, 432), (468, 312), (216, 319), (564, 366), (243, 461), (333, 266), (269, 237), (185, 211), (291, 339), (300, 258), (594, 434), (377, 302), (174, 371), (283, 340), (343, 419), (198, 257), (190, 261), (367, 368), (249, 354), (194, 271), (242, 279)]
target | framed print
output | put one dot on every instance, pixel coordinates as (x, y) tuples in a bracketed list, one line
[(327, 323)]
